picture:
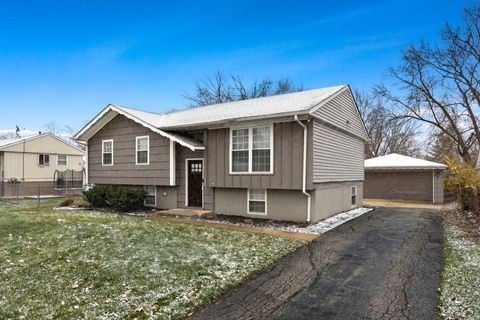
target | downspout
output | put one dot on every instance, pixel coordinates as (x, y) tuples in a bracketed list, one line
[(304, 180)]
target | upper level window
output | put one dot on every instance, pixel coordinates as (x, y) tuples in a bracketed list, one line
[(142, 150), (251, 150), (62, 160), (43, 160), (107, 152)]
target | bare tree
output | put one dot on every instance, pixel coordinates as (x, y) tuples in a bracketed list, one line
[(439, 85), (220, 88), (65, 132), (52, 127), (388, 134)]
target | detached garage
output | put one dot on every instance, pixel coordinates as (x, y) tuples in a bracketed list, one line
[(399, 177)]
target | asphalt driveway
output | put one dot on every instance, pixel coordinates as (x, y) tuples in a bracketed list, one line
[(383, 265)]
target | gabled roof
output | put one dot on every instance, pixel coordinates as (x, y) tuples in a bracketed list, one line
[(253, 109), (11, 142), (395, 161)]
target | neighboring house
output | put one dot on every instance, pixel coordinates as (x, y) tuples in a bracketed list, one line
[(296, 156), (28, 165), (396, 176)]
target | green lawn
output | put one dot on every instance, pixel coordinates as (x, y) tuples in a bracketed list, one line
[(460, 289), (86, 264)]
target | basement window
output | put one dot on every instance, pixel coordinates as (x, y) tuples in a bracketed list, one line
[(151, 198), (354, 196), (257, 201), (43, 160)]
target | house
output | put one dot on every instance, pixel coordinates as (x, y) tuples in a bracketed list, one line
[(395, 176), (296, 156), (30, 165)]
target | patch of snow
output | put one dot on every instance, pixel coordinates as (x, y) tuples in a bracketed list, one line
[(317, 228), (329, 223), (69, 209)]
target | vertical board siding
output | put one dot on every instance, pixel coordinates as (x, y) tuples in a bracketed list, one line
[(342, 112), (182, 154), (124, 170), (287, 161), (336, 155)]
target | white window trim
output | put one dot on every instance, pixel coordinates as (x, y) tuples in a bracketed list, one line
[(253, 212), (66, 159), (250, 149), (186, 181), (151, 205), (148, 150), (38, 160), (103, 151), (356, 196)]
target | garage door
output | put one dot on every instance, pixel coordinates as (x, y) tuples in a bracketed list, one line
[(403, 185)]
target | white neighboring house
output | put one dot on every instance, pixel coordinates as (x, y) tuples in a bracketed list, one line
[(28, 165)]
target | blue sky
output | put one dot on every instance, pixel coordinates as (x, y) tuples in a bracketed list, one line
[(63, 61)]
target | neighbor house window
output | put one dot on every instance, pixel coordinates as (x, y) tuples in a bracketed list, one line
[(251, 150), (62, 160), (257, 201), (107, 152), (354, 196), (142, 149), (43, 160), (151, 198)]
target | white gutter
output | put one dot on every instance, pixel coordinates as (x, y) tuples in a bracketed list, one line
[(304, 181)]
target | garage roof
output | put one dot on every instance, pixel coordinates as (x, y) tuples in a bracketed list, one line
[(395, 161)]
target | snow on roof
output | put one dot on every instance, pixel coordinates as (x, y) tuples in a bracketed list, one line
[(266, 107), (4, 142), (398, 161), (296, 102)]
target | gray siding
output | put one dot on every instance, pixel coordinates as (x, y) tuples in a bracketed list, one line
[(124, 171), (286, 205), (287, 166), (342, 112), (337, 156), (166, 197), (332, 198)]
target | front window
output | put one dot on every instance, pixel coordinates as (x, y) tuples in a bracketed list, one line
[(107, 152), (142, 147), (240, 150), (43, 160), (62, 160), (354, 196), (251, 150), (151, 198), (257, 201)]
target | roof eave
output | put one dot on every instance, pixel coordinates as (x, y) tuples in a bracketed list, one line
[(231, 122), (81, 135)]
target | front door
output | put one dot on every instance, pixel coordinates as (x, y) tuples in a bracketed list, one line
[(194, 182)]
